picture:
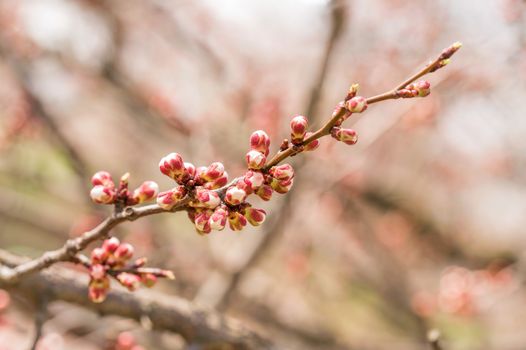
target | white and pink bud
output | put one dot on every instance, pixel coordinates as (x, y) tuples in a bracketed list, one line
[(298, 128), (212, 172), (255, 216), (217, 183), (235, 195), (148, 279), (99, 255), (206, 198), (190, 169), (124, 252), (253, 180), (98, 289), (347, 136), (172, 166), (236, 221), (265, 192), (356, 104), (168, 199), (260, 141), (103, 195), (129, 280), (102, 178), (97, 272), (282, 186), (145, 192), (255, 159), (218, 219), (282, 172), (201, 221), (311, 146), (110, 245), (422, 87)]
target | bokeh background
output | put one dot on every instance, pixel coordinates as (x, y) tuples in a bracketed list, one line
[(419, 226)]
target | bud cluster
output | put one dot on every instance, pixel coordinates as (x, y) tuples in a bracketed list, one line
[(420, 88), (104, 190), (112, 259)]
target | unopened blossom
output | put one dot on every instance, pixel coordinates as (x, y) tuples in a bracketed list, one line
[(97, 271), (282, 172), (148, 279), (201, 222), (298, 128), (217, 183), (253, 180), (129, 280), (206, 198), (110, 245), (102, 178), (236, 221), (422, 87), (98, 289), (99, 255), (168, 199), (356, 104), (218, 218), (255, 216), (311, 146), (103, 195), (282, 186), (347, 136), (124, 252), (265, 192), (190, 169), (260, 141), (147, 191), (172, 166), (255, 159), (212, 172), (235, 195)]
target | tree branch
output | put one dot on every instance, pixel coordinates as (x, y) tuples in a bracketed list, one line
[(194, 324)]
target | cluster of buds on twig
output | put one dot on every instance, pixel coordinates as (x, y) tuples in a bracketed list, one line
[(104, 190), (112, 259), (420, 88)]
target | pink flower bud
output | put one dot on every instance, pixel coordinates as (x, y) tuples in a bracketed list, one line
[(201, 222), (110, 245), (218, 219), (172, 166), (98, 289), (298, 128), (282, 172), (357, 104), (147, 191), (236, 221), (168, 199), (97, 272), (265, 192), (102, 178), (98, 255), (103, 195), (206, 199), (217, 183), (97, 295), (259, 141), (311, 146), (139, 262), (235, 195), (190, 169), (212, 172), (129, 280), (124, 252), (253, 180), (348, 136), (255, 216), (148, 279), (255, 159), (422, 87), (282, 186)]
